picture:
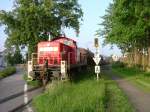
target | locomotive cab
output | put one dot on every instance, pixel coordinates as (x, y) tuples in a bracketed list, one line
[(57, 50)]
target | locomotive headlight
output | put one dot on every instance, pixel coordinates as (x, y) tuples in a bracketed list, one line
[(48, 44), (55, 48), (48, 49)]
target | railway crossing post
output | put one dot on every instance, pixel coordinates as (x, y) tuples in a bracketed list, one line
[(97, 58), (29, 69), (63, 70)]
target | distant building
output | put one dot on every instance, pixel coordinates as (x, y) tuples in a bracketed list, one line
[(115, 58), (2, 59)]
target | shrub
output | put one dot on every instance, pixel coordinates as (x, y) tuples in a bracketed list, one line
[(7, 71), (118, 64), (33, 83)]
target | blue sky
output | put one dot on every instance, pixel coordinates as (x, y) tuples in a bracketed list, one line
[(93, 10)]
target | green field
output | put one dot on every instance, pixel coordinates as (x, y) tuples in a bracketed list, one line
[(85, 94), (140, 78)]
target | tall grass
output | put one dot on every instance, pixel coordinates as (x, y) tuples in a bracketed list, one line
[(127, 72), (84, 94), (138, 77), (117, 100)]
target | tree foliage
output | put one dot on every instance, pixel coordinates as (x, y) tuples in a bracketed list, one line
[(127, 24), (9, 59), (30, 17), (14, 57), (17, 57)]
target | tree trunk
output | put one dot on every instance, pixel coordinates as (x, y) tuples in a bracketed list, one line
[(136, 56)]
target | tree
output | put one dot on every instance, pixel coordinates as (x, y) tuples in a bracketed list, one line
[(17, 57), (14, 56), (30, 17), (9, 59), (126, 24)]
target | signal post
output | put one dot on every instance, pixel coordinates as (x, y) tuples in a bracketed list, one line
[(97, 58)]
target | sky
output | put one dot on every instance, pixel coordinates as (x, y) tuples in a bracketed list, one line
[(93, 11)]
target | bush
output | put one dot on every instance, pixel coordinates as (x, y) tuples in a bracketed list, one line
[(118, 64), (33, 83), (7, 71)]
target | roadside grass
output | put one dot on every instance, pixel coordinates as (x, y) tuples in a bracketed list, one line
[(126, 72), (7, 72), (84, 94), (117, 100), (142, 81), (67, 97), (32, 83), (139, 78)]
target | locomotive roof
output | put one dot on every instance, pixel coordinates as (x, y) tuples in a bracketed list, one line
[(57, 38)]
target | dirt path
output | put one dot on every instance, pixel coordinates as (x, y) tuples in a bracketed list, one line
[(139, 99)]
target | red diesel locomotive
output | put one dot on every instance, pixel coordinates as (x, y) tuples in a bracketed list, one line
[(46, 62), (56, 50)]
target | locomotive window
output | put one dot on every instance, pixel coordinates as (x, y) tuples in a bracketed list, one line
[(66, 42)]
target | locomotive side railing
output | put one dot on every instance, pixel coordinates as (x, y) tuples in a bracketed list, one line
[(34, 58), (38, 60)]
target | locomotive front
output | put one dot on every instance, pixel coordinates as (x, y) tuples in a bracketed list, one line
[(50, 52), (46, 63), (55, 51)]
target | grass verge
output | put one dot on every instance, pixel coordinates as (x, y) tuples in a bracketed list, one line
[(7, 71), (33, 83), (139, 78), (117, 100), (83, 95)]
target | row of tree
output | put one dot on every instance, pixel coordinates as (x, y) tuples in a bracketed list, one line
[(29, 18), (127, 24)]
